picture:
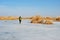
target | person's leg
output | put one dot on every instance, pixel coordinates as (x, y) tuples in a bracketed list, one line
[(19, 21)]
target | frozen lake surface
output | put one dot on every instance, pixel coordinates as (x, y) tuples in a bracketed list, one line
[(12, 30)]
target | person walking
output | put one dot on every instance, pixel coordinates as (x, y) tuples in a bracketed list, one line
[(20, 19)]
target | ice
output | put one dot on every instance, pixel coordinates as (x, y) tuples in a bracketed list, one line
[(12, 30)]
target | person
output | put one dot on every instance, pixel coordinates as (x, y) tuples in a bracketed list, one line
[(20, 19)]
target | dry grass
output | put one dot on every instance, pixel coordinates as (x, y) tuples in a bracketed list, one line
[(8, 17), (33, 17)]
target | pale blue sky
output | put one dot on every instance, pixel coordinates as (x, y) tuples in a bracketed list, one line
[(29, 7)]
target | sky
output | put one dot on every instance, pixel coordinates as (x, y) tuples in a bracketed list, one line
[(29, 7)]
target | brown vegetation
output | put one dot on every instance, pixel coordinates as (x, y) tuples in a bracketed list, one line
[(42, 20), (57, 18), (8, 18), (48, 18), (34, 19)]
